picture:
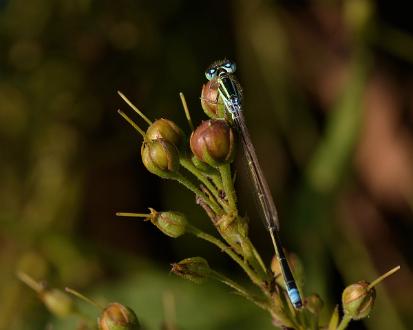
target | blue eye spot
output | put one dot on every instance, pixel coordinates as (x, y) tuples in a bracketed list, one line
[(230, 67), (210, 73)]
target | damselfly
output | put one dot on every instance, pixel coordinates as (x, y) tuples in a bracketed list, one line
[(230, 93)]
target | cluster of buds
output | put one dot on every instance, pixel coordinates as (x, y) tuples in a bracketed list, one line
[(160, 148), (207, 155)]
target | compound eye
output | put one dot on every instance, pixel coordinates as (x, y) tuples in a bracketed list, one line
[(211, 73), (230, 67)]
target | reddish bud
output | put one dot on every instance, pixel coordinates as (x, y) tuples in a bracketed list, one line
[(213, 142)]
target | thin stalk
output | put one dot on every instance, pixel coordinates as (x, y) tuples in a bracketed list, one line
[(344, 322), (185, 106), (133, 215), (140, 113), (30, 282), (188, 184), (225, 171), (83, 297), (209, 238), (186, 163), (382, 277), (240, 289), (132, 123)]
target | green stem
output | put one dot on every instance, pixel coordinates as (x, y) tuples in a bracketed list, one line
[(209, 238), (225, 171), (240, 289), (188, 184), (186, 163), (344, 322), (216, 179)]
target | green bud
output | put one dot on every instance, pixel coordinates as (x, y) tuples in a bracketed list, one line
[(118, 317), (210, 101), (358, 300), (195, 269), (58, 302), (171, 223), (167, 130), (213, 142), (314, 303), (160, 158)]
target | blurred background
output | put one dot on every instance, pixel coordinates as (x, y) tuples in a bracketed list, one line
[(328, 99)]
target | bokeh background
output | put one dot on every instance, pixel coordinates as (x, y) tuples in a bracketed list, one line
[(328, 99)]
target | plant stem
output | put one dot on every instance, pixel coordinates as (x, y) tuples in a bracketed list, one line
[(344, 322), (225, 171), (240, 289), (186, 163), (209, 238), (188, 184)]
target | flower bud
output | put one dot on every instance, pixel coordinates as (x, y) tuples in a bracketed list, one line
[(195, 269), (213, 142), (58, 302), (171, 223), (160, 157), (167, 130), (118, 317), (210, 100), (358, 300), (314, 303)]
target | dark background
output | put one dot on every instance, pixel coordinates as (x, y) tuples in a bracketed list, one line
[(328, 99)]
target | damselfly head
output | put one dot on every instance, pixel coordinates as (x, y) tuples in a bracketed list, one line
[(225, 66)]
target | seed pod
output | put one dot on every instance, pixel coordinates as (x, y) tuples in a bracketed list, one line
[(195, 269), (160, 158), (213, 142), (358, 300), (171, 223), (210, 100), (118, 317), (167, 130)]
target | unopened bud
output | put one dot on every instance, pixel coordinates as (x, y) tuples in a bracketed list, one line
[(210, 101), (118, 317), (167, 130), (358, 300), (213, 142), (171, 223), (160, 158), (195, 269)]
